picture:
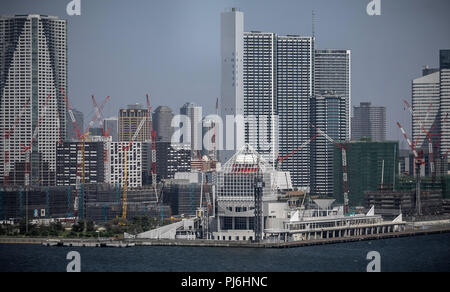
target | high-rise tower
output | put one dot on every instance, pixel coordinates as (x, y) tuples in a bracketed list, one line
[(232, 83), (33, 69), (444, 78)]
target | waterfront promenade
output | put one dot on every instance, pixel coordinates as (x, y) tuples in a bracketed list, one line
[(416, 229)]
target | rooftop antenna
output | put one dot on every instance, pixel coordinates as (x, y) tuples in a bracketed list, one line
[(313, 23)]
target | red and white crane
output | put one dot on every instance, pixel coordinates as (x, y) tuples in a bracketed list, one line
[(280, 159), (344, 167), (28, 149), (153, 133), (125, 163), (419, 160), (428, 134), (98, 115)]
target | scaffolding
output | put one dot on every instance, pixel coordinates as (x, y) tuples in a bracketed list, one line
[(371, 166), (2, 194), (39, 203), (104, 202)]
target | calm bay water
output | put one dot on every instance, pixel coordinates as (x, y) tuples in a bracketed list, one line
[(412, 254)]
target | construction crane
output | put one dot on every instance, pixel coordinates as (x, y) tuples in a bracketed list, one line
[(79, 136), (82, 137), (153, 132), (428, 135), (7, 135), (419, 161), (27, 149), (344, 167), (280, 159), (98, 116), (125, 166)]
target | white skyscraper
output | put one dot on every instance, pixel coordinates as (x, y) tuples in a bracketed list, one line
[(260, 98), (330, 111), (272, 87), (295, 89), (232, 83), (445, 107), (195, 115), (333, 74), (426, 104), (33, 69)]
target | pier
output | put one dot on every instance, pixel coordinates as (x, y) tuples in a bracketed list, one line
[(416, 230)]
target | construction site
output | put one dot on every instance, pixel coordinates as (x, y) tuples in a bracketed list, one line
[(246, 199)]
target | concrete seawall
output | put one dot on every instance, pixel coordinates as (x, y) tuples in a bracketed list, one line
[(212, 243)]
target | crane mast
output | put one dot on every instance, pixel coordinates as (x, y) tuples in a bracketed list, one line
[(125, 166), (29, 148), (153, 132), (418, 158), (344, 167)]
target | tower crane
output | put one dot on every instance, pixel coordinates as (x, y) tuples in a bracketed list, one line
[(125, 166), (419, 160), (27, 149), (344, 167), (82, 137), (153, 133), (280, 159), (428, 135), (98, 116)]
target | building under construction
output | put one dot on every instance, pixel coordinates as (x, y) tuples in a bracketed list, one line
[(103, 202), (37, 203), (182, 196), (403, 199), (369, 165), (97, 202)]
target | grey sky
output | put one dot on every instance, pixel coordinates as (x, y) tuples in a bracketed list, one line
[(170, 48)]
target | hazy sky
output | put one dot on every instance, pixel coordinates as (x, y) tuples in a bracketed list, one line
[(171, 48)]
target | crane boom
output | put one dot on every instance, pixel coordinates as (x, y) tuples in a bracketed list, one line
[(419, 161), (71, 115), (410, 144), (153, 132), (29, 148), (281, 159), (98, 116), (125, 166), (344, 167)]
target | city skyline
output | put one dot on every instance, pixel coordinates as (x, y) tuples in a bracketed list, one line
[(195, 72)]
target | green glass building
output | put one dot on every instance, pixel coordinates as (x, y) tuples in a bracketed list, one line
[(369, 165)]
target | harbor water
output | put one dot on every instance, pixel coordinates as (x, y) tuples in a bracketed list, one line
[(429, 253)]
